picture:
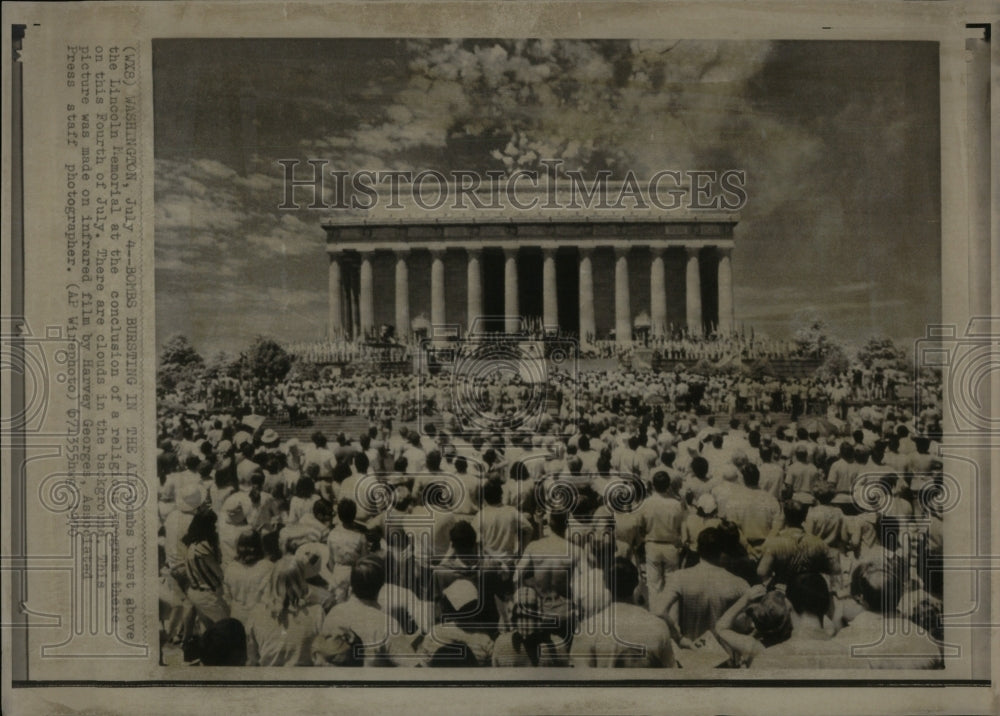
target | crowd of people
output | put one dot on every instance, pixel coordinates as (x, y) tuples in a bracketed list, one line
[(670, 344), (628, 524), (406, 396), (345, 351)]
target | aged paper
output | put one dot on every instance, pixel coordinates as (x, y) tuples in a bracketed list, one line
[(609, 355)]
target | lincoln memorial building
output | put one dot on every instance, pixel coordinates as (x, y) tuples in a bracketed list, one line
[(598, 273)]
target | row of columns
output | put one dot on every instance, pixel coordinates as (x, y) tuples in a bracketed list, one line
[(365, 315)]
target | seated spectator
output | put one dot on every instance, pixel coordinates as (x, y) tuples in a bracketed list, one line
[(281, 629)]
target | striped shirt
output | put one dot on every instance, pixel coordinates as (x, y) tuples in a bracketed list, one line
[(203, 567)]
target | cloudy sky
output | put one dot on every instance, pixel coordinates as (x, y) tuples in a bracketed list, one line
[(839, 140)]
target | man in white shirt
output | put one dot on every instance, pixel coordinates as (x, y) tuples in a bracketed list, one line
[(503, 530), (637, 638), (697, 596), (359, 624), (660, 518), (416, 458)]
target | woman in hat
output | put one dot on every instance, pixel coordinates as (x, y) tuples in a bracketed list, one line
[(281, 630), (270, 441)]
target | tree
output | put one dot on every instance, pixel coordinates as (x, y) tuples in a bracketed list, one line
[(178, 351), (813, 336), (222, 365), (835, 362), (814, 340), (267, 362), (180, 364), (882, 351)]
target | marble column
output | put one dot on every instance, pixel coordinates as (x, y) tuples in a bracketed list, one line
[(335, 319), (693, 303), (437, 290), (588, 326), (550, 295), (366, 295), (346, 308), (623, 312), (657, 293), (474, 289), (350, 301), (512, 312), (726, 317), (402, 293)]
